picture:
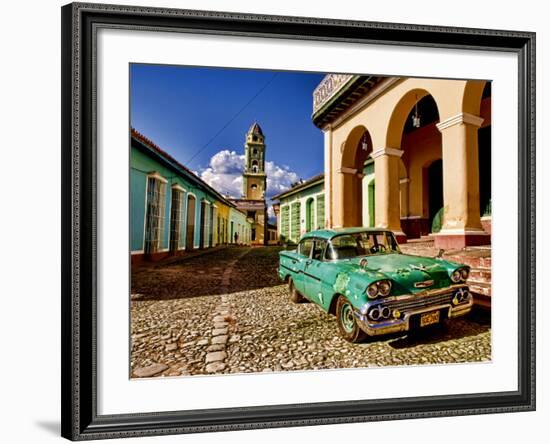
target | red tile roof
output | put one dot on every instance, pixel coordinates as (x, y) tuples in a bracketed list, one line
[(300, 186), (154, 147)]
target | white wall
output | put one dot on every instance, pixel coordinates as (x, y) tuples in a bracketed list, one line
[(30, 226)]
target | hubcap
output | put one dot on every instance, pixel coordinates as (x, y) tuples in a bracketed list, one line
[(346, 316)]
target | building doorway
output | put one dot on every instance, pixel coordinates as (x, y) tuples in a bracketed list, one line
[(357, 151), (310, 214), (484, 148), (435, 195), (190, 229), (372, 207), (421, 142)]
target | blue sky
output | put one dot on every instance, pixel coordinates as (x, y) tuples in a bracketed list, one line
[(182, 108)]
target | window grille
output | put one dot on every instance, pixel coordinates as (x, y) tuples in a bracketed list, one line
[(154, 223), (285, 222), (176, 219), (295, 222), (321, 212)]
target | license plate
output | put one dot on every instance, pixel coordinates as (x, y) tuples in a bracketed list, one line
[(429, 318)]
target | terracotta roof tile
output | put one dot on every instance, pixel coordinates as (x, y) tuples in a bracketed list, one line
[(154, 147)]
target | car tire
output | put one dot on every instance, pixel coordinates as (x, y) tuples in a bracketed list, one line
[(347, 324), (294, 295)]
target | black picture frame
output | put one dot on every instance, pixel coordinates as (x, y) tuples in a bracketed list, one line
[(79, 170)]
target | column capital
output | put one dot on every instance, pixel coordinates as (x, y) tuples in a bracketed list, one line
[(346, 170), (465, 118), (386, 151)]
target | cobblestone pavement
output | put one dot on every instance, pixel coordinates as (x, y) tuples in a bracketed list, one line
[(227, 312)]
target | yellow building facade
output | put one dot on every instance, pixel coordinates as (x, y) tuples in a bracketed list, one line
[(429, 141), (253, 202)]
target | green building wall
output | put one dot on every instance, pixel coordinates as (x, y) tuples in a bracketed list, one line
[(295, 212), (141, 165)]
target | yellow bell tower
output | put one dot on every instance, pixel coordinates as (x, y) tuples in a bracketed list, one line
[(254, 177)]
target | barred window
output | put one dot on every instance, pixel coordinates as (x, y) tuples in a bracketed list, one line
[(285, 219), (321, 211), (295, 222), (154, 218), (176, 218)]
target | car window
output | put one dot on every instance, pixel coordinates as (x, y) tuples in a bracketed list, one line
[(304, 248), (318, 249), (347, 246)]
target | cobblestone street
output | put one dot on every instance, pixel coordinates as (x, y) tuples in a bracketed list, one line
[(225, 311)]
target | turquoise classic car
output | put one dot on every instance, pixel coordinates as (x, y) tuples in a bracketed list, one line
[(361, 276)]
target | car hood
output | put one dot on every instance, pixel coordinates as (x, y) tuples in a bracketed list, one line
[(410, 274)]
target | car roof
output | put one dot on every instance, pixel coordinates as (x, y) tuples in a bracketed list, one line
[(330, 233)]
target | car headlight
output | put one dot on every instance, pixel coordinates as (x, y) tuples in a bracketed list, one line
[(384, 288), (372, 290), (455, 276), (460, 275)]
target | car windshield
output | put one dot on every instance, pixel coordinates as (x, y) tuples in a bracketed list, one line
[(367, 243)]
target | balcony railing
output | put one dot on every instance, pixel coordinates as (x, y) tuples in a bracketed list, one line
[(328, 87)]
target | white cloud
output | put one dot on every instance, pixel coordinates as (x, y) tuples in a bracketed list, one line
[(224, 173), (225, 170), (279, 178)]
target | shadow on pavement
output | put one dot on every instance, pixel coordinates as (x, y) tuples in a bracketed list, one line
[(446, 331), (202, 275)]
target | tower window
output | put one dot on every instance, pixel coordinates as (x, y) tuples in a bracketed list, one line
[(255, 151), (255, 138), (253, 186)]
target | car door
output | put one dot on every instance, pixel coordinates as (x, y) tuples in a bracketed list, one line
[(313, 271), (303, 253)]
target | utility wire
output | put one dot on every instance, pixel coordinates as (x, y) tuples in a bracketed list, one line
[(262, 89)]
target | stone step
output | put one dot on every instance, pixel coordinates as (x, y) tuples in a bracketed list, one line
[(483, 301), (483, 288), (481, 292), (480, 274), (472, 261)]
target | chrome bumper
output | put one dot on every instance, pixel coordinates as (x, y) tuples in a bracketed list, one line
[(393, 325)]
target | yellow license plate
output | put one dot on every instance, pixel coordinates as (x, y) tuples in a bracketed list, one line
[(429, 318)]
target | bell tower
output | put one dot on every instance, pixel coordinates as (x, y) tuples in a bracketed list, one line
[(254, 178)]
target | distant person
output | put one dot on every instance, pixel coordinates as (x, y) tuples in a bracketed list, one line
[(236, 237)]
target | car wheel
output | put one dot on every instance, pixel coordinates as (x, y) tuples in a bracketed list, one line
[(294, 295), (347, 324)]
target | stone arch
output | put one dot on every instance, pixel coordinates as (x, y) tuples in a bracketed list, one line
[(356, 150), (400, 113), (419, 145), (477, 101), (471, 99)]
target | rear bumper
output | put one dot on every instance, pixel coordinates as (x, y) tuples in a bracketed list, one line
[(403, 323)]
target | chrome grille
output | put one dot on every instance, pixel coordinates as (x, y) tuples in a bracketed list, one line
[(420, 302)]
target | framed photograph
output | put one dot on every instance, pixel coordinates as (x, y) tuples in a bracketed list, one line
[(279, 221)]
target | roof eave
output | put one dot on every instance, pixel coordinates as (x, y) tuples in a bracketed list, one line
[(334, 106)]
